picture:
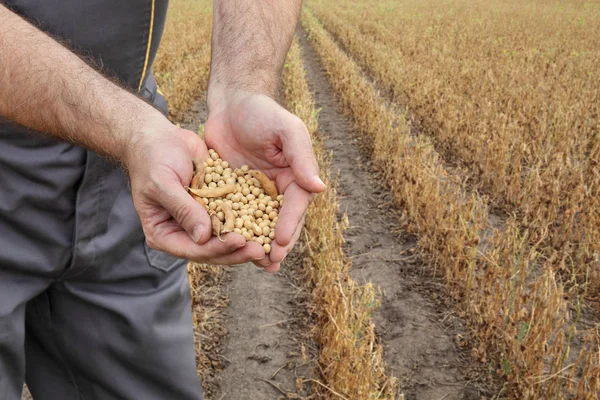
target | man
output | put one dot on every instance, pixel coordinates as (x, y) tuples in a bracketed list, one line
[(90, 299)]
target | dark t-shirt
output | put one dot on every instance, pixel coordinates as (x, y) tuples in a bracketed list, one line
[(122, 36)]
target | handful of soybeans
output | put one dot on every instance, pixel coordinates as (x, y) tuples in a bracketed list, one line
[(240, 200)]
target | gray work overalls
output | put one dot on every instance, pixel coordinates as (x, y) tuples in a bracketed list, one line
[(87, 310)]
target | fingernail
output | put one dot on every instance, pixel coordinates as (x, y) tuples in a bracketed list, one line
[(197, 234), (261, 258)]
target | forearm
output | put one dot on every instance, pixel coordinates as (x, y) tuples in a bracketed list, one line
[(250, 41), (46, 87)]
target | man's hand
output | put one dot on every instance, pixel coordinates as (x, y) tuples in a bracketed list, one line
[(245, 125), (246, 128), (159, 162)]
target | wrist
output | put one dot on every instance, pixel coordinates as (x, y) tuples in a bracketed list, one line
[(216, 97), (149, 126), (221, 96)]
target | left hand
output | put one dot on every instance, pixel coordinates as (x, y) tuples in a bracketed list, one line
[(157, 159), (250, 128)]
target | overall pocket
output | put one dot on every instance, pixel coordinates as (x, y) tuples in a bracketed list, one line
[(161, 260)]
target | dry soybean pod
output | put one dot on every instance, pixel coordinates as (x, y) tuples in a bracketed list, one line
[(266, 183), (200, 201), (197, 198), (195, 181), (217, 226), (214, 192), (229, 217), (198, 178)]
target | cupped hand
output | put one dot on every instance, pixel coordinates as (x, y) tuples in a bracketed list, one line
[(159, 163), (252, 129)]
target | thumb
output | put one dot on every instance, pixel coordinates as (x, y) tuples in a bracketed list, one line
[(297, 148), (190, 215)]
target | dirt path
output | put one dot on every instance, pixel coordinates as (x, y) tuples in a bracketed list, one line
[(417, 331), (265, 319)]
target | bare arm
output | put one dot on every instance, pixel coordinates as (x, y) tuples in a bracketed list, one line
[(250, 41), (45, 87)]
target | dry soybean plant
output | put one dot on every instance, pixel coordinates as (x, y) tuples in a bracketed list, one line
[(515, 306), (183, 60), (350, 359), (510, 91)]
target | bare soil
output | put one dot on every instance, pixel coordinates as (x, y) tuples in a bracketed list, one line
[(268, 328), (422, 337), (195, 116)]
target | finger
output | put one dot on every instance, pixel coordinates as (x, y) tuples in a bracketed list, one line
[(273, 268), (269, 267), (296, 201), (278, 252), (216, 250), (251, 251), (263, 262), (230, 249), (169, 237), (297, 148), (190, 215)]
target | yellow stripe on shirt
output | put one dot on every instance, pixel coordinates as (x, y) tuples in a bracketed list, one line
[(148, 48)]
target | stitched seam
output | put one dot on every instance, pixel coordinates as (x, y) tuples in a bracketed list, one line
[(96, 218), (148, 47), (77, 219)]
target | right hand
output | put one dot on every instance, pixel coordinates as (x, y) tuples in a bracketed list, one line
[(251, 128), (159, 163)]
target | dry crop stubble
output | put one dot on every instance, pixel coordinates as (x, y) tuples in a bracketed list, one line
[(517, 312), (183, 60), (510, 91), (350, 359)]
